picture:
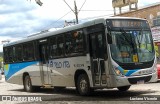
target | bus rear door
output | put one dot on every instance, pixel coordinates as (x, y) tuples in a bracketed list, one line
[(44, 69)]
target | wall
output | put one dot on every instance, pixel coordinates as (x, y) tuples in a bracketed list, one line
[(151, 12)]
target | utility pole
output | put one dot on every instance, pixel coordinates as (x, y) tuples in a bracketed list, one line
[(75, 11)]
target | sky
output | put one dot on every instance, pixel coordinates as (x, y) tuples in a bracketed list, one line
[(21, 18)]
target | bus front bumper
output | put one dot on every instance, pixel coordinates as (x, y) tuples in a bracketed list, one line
[(124, 81)]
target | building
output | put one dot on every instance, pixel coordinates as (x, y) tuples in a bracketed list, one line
[(122, 3), (152, 14)]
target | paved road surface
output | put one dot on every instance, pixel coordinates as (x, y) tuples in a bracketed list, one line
[(137, 94)]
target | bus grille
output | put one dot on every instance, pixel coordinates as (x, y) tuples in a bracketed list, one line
[(135, 80)]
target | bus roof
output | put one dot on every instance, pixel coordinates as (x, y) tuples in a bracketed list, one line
[(44, 34)]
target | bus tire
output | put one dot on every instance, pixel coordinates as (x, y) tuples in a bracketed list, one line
[(28, 84), (83, 86), (123, 88)]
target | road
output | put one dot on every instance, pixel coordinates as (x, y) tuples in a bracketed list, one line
[(143, 93)]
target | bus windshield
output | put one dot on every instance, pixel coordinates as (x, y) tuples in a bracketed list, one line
[(131, 45)]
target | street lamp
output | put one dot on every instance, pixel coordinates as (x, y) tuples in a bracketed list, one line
[(38, 2)]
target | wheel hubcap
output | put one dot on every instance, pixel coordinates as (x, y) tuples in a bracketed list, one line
[(83, 85)]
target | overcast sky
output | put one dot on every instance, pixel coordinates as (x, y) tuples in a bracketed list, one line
[(20, 18)]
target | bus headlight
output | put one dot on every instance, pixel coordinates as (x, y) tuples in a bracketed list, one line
[(118, 72), (155, 70)]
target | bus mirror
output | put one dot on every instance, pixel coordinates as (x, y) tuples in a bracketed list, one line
[(109, 38)]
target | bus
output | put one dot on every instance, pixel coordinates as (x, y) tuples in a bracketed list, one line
[(113, 52)]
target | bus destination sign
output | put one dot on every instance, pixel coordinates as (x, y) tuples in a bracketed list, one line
[(128, 23)]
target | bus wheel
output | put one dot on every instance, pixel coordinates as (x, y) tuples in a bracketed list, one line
[(28, 84), (83, 86), (123, 88)]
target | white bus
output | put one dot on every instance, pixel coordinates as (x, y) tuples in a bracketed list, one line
[(113, 52)]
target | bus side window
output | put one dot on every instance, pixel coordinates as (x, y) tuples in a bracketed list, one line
[(78, 41), (74, 43), (19, 54), (60, 46), (14, 54), (28, 51), (6, 55), (53, 47), (68, 44), (10, 55)]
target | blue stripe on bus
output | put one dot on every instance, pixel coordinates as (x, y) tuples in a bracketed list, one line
[(11, 69), (127, 72), (131, 72)]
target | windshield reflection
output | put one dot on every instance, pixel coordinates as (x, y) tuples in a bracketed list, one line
[(130, 46)]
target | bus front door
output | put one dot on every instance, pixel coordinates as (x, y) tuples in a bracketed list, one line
[(98, 57), (44, 69)]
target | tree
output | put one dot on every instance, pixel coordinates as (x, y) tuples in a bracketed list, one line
[(1, 60)]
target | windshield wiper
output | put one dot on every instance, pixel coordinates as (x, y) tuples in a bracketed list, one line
[(130, 41), (138, 39)]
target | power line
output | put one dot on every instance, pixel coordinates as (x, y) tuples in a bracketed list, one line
[(88, 18), (96, 17), (61, 26), (80, 19), (58, 19), (82, 6), (75, 11), (83, 11), (96, 10), (68, 5)]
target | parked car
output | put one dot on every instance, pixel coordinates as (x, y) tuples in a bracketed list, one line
[(158, 70)]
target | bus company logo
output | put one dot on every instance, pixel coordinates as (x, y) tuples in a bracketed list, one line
[(6, 98), (59, 64)]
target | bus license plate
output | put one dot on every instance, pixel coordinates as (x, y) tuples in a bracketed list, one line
[(140, 82)]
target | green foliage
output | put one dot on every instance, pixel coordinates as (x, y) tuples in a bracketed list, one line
[(1, 54), (1, 59)]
